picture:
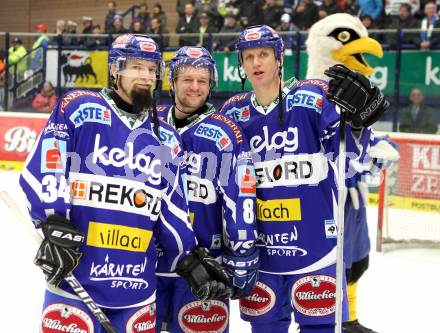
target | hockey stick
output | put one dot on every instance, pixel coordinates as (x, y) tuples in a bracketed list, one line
[(70, 279), (340, 224)]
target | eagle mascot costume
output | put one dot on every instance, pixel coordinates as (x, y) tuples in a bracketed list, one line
[(343, 39)]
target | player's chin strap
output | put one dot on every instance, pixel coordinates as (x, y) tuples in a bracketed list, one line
[(152, 112), (280, 98), (242, 76)]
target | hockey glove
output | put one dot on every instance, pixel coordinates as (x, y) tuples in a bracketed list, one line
[(353, 91), (206, 277), (243, 271), (59, 253)]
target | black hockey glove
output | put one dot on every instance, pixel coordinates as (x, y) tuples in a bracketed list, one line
[(353, 91), (59, 252), (206, 277), (243, 271)]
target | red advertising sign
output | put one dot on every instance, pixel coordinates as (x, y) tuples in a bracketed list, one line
[(18, 133), (418, 173)]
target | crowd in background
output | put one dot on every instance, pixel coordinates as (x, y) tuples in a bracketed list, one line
[(201, 18)]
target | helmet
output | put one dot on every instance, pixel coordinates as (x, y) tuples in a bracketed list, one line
[(260, 36), (131, 46), (194, 56)]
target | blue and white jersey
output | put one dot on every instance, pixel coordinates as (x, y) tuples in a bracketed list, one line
[(296, 173), (106, 171), (221, 181)]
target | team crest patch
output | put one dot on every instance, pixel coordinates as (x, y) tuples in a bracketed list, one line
[(252, 35), (148, 46), (143, 320), (91, 113), (53, 155), (208, 316), (60, 317), (194, 52), (214, 133), (315, 295), (239, 114), (306, 99), (261, 301), (170, 140)]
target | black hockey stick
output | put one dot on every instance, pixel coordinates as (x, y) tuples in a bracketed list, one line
[(70, 279)]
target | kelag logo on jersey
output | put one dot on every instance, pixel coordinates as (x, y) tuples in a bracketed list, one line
[(213, 133), (306, 99), (239, 114), (91, 113), (53, 155), (169, 139), (246, 181)]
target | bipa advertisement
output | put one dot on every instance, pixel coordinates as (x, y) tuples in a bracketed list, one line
[(18, 133)]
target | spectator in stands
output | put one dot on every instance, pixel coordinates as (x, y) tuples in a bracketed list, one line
[(287, 26), (233, 7), (417, 117), (59, 30), (70, 39), (205, 30), (374, 8), (251, 13), (87, 22), (188, 24), (96, 41), (136, 27), (16, 52), (46, 99), (352, 7), (143, 17), (158, 13), (209, 7), (180, 7), (429, 38), (305, 14), (404, 21), (118, 26), (272, 13), (328, 7), (108, 24), (158, 29), (370, 24), (227, 43), (392, 7), (39, 47)]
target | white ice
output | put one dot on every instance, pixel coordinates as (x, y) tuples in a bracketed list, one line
[(400, 293)]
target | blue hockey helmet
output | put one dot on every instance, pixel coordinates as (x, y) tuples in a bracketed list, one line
[(193, 56), (132, 46), (260, 36)]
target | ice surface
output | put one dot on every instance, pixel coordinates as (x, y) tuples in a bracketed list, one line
[(400, 292)]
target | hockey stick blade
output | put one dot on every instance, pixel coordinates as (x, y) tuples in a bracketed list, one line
[(70, 278)]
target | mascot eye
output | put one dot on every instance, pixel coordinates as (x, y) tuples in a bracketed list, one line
[(344, 36)]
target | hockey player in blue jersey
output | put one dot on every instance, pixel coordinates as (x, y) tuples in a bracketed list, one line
[(293, 132), (221, 194), (104, 183)]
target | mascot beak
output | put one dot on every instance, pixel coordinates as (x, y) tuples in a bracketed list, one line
[(351, 54)]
